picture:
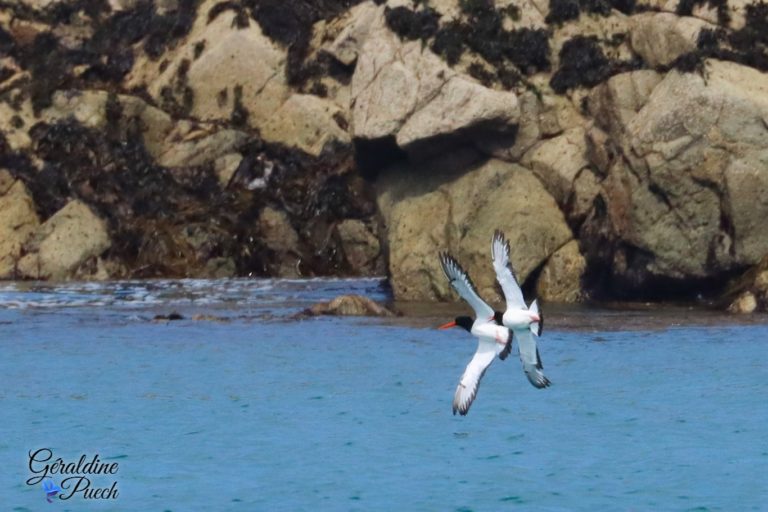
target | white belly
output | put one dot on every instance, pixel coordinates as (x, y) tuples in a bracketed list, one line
[(516, 318), (490, 330)]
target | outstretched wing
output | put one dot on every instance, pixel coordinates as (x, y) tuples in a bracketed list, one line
[(464, 287), (505, 275), (529, 356), (466, 391)]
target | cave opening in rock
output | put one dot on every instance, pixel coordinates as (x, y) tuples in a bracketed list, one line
[(374, 155)]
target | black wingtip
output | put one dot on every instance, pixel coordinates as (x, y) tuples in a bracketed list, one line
[(445, 260), (507, 347), (541, 322), (499, 235)]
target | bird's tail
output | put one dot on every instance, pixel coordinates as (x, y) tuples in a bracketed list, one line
[(536, 376)]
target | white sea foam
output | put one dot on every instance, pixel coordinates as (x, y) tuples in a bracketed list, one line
[(184, 292)]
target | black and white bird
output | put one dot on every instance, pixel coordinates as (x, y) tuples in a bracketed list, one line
[(493, 339), (525, 322)]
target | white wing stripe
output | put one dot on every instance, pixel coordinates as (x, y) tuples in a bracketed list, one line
[(466, 391)]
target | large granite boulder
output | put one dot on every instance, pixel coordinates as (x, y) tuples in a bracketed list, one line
[(63, 243), (362, 249), (660, 38), (561, 277), (223, 69), (687, 197), (347, 305), (18, 221), (102, 110), (402, 90), (307, 122), (558, 160), (749, 292), (439, 207)]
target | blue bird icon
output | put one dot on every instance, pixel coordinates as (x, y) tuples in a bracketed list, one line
[(50, 488)]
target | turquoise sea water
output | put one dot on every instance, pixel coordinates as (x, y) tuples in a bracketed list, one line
[(251, 410)]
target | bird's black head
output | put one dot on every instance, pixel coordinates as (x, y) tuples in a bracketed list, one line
[(497, 317), (460, 321)]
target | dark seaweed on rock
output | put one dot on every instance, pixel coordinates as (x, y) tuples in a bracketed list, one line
[(685, 8), (755, 31), (483, 32), (17, 163), (626, 6), (150, 212), (449, 42), (165, 29), (290, 23), (241, 17), (412, 25), (479, 73), (561, 11), (91, 8), (50, 67), (583, 63), (173, 222), (528, 49), (239, 116), (142, 23), (6, 42), (107, 55), (747, 46)]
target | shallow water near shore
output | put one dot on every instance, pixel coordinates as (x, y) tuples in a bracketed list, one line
[(250, 409)]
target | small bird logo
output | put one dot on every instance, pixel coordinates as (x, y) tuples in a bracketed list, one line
[(51, 489)]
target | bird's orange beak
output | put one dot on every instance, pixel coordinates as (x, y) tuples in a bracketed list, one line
[(448, 325), (535, 318)]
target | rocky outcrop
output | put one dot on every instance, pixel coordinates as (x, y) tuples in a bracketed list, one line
[(226, 67), (188, 128), (441, 207), (348, 305), (279, 236), (63, 243), (693, 161), (621, 146), (660, 38), (307, 122), (561, 277), (362, 248), (749, 292), (403, 91), (18, 221)]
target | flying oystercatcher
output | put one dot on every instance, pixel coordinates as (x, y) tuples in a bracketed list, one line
[(525, 322), (493, 338)]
